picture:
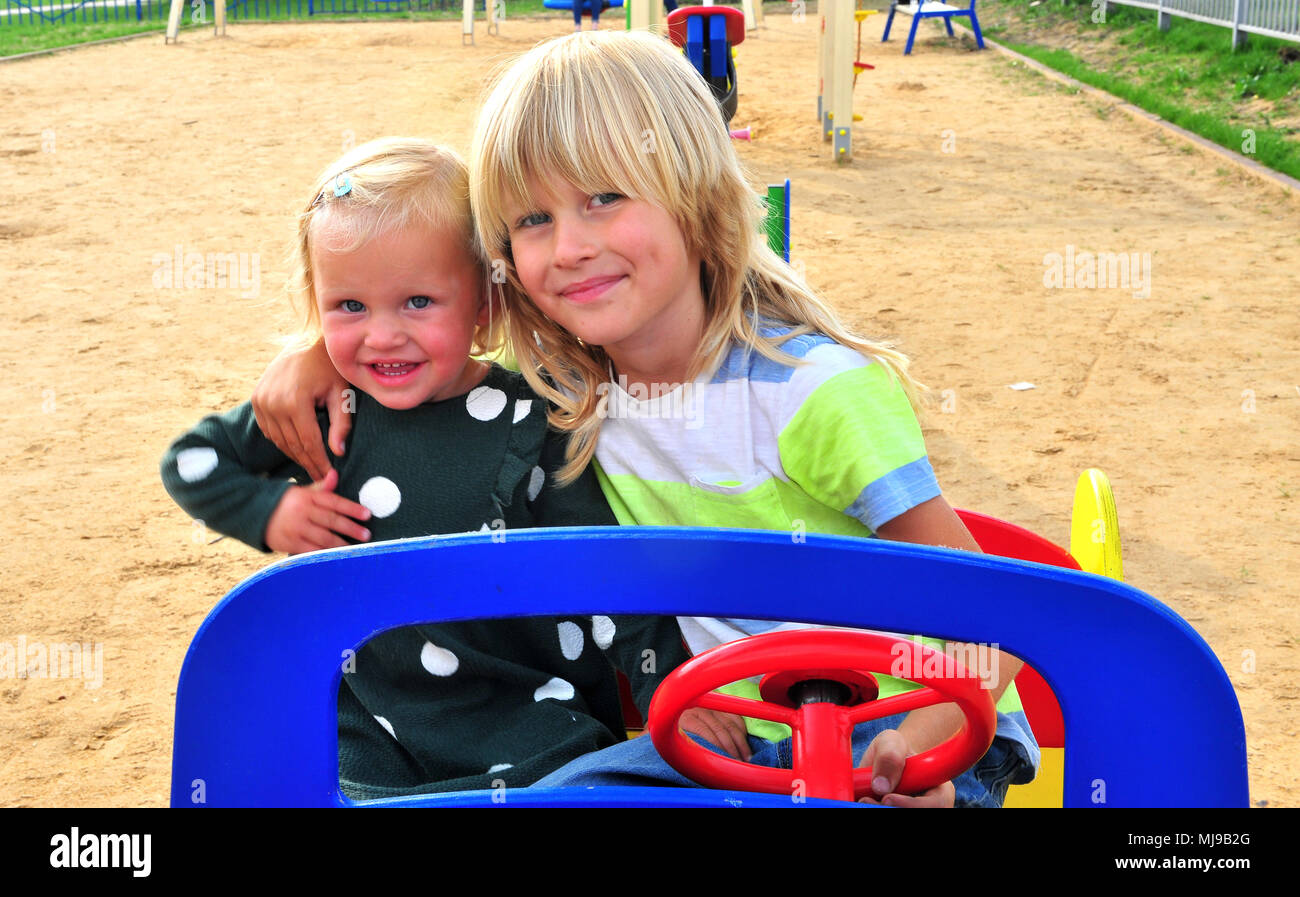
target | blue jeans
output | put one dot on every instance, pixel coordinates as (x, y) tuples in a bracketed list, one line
[(637, 763)]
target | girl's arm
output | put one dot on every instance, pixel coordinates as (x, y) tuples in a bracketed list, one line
[(227, 475), (293, 386)]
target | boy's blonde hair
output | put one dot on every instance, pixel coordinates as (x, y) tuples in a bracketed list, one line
[(377, 188), (625, 112)]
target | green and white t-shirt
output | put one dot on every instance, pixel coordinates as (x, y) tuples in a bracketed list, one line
[(832, 443)]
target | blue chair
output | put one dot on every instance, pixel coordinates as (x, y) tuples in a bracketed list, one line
[(1150, 716), (932, 9)]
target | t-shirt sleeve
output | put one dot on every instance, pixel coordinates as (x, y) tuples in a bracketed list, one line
[(225, 473), (852, 440)]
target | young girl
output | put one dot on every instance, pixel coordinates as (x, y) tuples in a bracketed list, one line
[(441, 443), (708, 383)]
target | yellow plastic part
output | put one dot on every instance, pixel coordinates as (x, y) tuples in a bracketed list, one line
[(1048, 787), (1094, 528), (860, 14)]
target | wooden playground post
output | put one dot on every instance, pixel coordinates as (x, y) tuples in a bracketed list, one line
[(644, 15), (467, 20), (173, 23), (173, 34), (835, 73)]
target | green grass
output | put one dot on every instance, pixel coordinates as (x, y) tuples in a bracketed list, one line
[(16, 39), (27, 37), (1188, 75)]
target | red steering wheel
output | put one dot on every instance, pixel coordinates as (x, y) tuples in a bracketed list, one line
[(823, 761)]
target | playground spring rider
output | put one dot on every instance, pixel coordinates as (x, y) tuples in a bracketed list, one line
[(707, 34)]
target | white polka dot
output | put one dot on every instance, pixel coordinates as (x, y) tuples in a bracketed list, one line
[(535, 481), (602, 630), (193, 464), (556, 688), (499, 767), (485, 402), (570, 640), (438, 661), (522, 407), (388, 727), (380, 495)]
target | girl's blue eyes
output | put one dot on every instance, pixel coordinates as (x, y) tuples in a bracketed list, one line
[(355, 307)]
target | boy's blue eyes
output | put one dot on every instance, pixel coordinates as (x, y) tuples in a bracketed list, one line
[(353, 306), (534, 219)]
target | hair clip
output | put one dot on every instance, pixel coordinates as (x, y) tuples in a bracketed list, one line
[(342, 185)]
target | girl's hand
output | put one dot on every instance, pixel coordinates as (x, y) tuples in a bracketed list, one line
[(293, 386), (309, 518), (724, 730), (886, 756)]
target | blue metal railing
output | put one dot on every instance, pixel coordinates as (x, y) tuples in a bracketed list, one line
[(54, 12), (36, 12)]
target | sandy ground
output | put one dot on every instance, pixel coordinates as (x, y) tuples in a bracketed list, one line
[(968, 171)]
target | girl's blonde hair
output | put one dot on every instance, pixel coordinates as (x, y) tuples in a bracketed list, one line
[(625, 112), (377, 188)]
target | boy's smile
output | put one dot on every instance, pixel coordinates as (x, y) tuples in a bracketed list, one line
[(399, 313), (613, 271)]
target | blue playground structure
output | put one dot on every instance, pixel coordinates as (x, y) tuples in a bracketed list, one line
[(932, 9), (586, 4), (1150, 717)]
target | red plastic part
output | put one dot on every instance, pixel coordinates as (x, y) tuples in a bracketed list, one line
[(677, 22), (775, 687), (823, 765), (1010, 541)]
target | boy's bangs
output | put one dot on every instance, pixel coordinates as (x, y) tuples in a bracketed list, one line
[(582, 119)]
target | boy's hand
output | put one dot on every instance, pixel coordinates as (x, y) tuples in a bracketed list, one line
[(724, 730), (886, 755), (293, 386), (309, 518)]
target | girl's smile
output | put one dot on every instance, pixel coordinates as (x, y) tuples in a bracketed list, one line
[(399, 313), (613, 271)]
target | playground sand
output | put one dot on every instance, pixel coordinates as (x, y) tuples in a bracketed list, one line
[(968, 171)]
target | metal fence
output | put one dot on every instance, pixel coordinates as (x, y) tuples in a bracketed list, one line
[(36, 12), (1273, 18), (18, 12)]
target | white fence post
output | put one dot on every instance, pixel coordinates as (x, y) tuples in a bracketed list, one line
[(1238, 36)]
